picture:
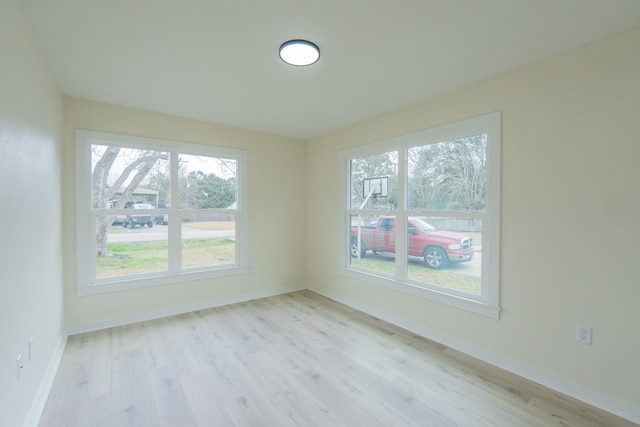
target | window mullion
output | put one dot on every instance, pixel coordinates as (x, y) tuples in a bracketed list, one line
[(92, 248), (175, 220), (401, 217)]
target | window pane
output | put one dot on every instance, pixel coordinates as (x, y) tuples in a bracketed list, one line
[(121, 177), (140, 228), (208, 240), (449, 175), (207, 182), (376, 243), (363, 170), (124, 251), (445, 252)]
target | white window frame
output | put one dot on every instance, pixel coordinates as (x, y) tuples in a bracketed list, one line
[(487, 303), (87, 284)]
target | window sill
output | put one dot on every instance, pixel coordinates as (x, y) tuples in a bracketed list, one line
[(123, 284), (460, 302)]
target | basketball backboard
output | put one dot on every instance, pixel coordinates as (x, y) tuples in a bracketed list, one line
[(375, 187)]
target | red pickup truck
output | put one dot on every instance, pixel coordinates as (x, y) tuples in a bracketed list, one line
[(436, 247)]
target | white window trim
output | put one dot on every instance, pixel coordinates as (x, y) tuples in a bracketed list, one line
[(488, 303), (85, 214)]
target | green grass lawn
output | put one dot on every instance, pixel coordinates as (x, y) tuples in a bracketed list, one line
[(148, 257), (417, 272)]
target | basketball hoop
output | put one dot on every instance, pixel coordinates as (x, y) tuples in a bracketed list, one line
[(375, 187)]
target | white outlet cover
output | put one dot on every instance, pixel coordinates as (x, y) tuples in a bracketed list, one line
[(583, 334)]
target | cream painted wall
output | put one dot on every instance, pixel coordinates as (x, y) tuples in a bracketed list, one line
[(570, 221), (30, 214), (277, 213)]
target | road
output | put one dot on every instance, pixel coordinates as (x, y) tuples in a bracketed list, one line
[(471, 268)]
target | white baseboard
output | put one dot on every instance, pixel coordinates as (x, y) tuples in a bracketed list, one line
[(35, 412), (172, 311), (621, 409)]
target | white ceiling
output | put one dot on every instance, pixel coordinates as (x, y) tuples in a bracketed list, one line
[(217, 60)]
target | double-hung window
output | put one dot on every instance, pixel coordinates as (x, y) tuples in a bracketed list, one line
[(422, 213), (153, 212)]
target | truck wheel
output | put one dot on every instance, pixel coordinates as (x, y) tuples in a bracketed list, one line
[(435, 257), (354, 248)]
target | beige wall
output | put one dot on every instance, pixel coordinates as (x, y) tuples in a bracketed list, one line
[(570, 215), (30, 214), (277, 214)]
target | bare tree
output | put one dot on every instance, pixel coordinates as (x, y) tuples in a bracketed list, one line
[(103, 193), (449, 175)]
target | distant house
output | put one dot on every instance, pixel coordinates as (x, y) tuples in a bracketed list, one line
[(140, 195)]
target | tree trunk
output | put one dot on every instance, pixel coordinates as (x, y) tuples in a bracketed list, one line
[(102, 222)]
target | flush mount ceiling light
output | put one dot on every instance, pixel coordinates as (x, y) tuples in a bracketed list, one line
[(299, 52)]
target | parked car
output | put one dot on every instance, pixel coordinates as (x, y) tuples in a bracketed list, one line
[(119, 220), (132, 220), (162, 219), (437, 247)]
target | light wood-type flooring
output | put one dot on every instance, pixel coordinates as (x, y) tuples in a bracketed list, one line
[(297, 359)]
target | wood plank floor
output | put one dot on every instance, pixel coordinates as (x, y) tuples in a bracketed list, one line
[(291, 360)]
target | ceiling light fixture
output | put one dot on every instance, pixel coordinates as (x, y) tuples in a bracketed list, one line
[(299, 52)]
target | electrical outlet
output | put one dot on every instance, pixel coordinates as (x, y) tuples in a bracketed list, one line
[(583, 334), (19, 366)]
